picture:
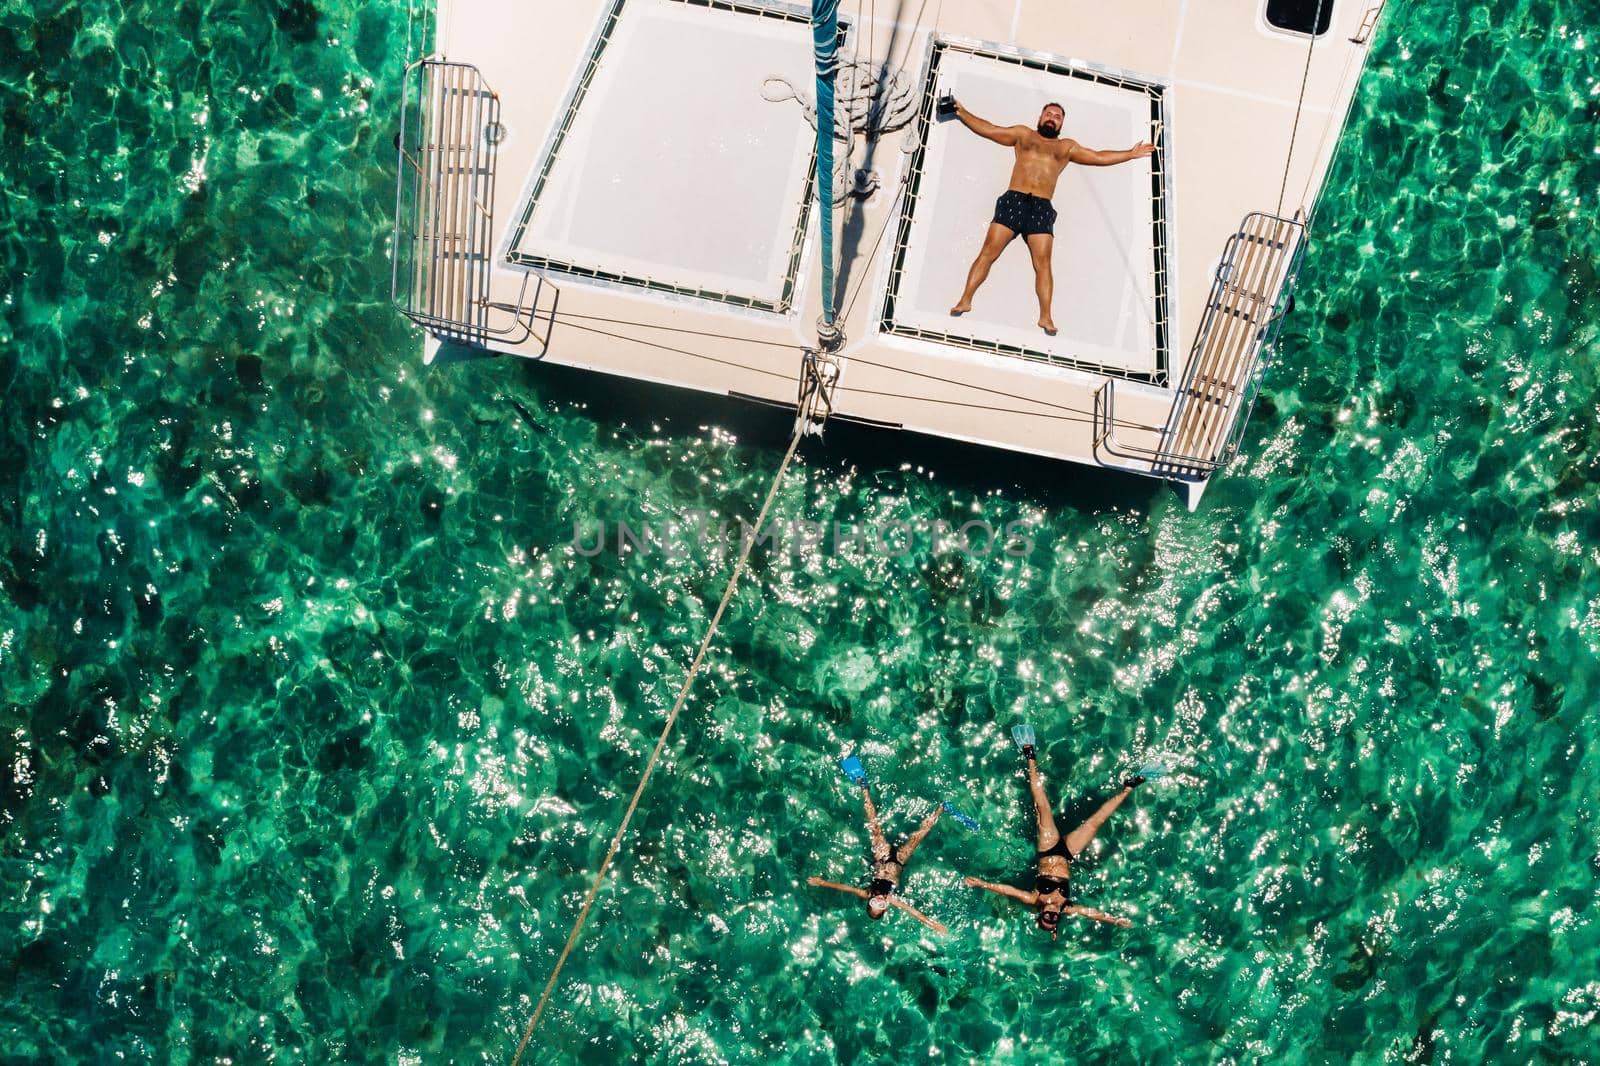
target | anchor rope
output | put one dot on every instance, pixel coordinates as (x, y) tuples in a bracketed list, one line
[(661, 743)]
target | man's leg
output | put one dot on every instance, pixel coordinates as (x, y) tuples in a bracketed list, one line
[(1079, 838), (1048, 833), (922, 831), (994, 242), (1040, 246)]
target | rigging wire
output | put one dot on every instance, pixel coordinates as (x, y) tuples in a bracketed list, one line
[(866, 267), (680, 351), (1123, 423), (1120, 422), (1305, 76), (1327, 125), (890, 213), (963, 403), (562, 316)]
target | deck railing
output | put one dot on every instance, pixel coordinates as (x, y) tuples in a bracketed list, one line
[(1250, 293), (444, 209)]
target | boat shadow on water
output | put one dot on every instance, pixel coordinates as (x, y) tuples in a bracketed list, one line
[(868, 450)]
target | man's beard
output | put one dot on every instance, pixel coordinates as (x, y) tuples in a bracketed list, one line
[(1049, 131)]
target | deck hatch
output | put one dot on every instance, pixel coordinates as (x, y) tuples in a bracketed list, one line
[(1300, 16)]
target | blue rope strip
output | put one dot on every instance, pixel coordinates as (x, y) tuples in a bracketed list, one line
[(825, 48), (825, 35)]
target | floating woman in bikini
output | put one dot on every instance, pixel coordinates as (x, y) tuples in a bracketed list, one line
[(888, 860), (1056, 854)]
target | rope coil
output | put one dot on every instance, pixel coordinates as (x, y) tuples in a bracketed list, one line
[(869, 99)]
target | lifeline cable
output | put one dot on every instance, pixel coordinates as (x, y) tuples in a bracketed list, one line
[(661, 742), (563, 316), (1122, 422), (1327, 125)]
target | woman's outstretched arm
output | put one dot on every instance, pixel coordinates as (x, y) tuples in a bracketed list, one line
[(817, 882), (918, 915), (1029, 898)]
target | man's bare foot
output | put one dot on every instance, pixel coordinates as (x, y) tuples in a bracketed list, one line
[(1048, 326), (960, 309)]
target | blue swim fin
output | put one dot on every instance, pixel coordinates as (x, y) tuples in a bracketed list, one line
[(853, 769), (1023, 735), (1154, 770), (958, 816)]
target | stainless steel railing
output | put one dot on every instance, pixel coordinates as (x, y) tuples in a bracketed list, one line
[(444, 209), (1244, 313)]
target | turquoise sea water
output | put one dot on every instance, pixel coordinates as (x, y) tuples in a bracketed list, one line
[(315, 725)]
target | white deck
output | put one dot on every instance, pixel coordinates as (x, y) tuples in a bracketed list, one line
[(677, 178)]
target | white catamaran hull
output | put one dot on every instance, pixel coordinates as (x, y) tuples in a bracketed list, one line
[(628, 186)]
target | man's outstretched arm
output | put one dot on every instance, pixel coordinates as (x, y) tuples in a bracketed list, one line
[(1091, 157), (1006, 135)]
